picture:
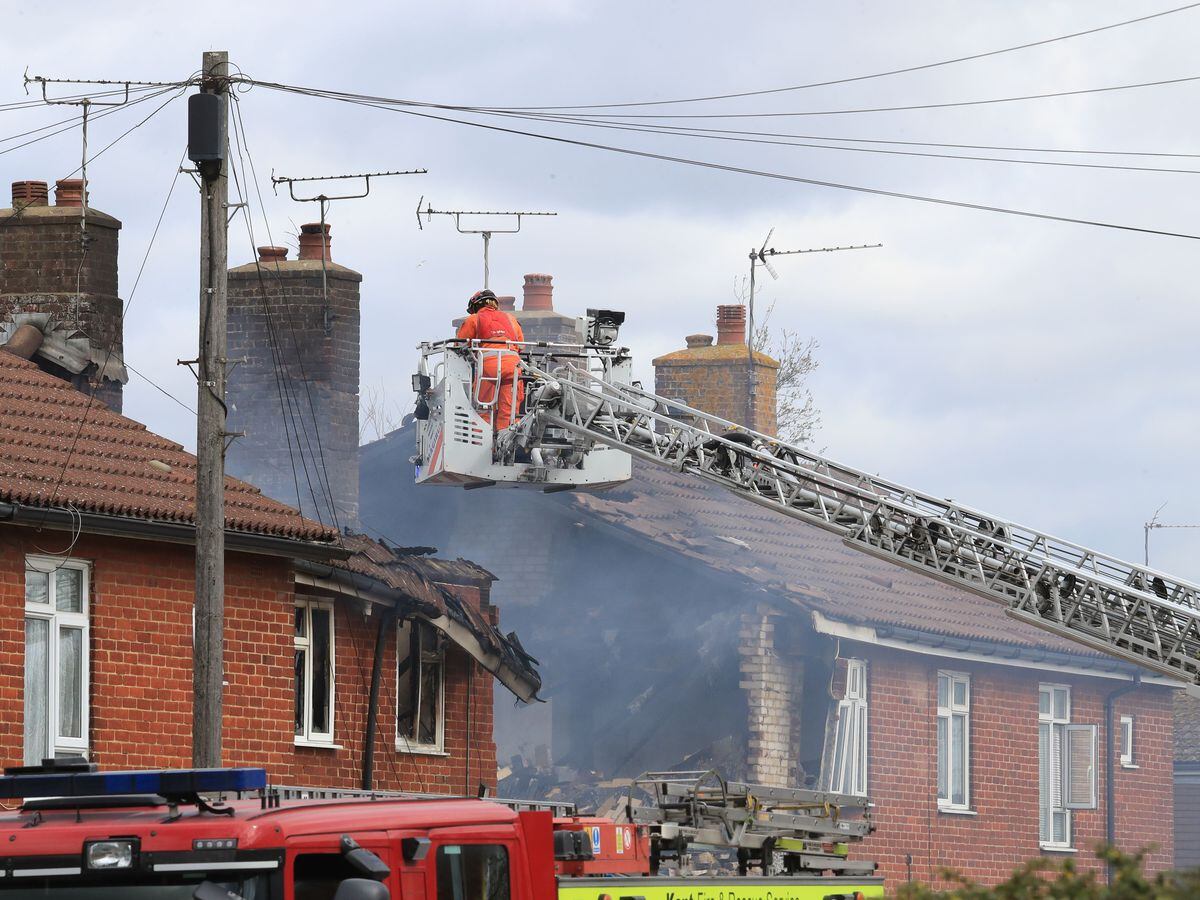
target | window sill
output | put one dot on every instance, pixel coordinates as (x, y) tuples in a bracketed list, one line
[(1129, 766), (420, 750), (317, 745), (1056, 848), (957, 811)]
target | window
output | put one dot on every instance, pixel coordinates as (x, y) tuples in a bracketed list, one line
[(1066, 765), (314, 672), (846, 762), (56, 658), (953, 739), (1126, 734), (316, 876), (472, 872), (420, 662)]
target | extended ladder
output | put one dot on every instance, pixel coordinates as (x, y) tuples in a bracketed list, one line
[(1129, 611), (807, 830)]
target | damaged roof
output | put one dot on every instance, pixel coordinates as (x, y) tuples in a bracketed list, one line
[(419, 578), (56, 451), (801, 563)]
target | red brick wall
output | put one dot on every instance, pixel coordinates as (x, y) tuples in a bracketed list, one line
[(141, 672), (902, 778)]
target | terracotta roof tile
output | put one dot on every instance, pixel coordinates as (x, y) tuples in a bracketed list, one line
[(116, 467)]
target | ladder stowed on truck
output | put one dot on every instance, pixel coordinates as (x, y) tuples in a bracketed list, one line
[(584, 420)]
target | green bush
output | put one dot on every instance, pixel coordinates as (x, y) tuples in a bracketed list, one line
[(1062, 880)]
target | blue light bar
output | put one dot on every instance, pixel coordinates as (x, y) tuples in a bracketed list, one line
[(164, 782)]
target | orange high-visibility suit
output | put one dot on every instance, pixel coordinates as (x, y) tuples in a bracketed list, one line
[(495, 328)]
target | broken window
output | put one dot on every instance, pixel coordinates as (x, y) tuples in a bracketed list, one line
[(314, 672), (420, 666), (844, 770), (56, 658), (953, 739)]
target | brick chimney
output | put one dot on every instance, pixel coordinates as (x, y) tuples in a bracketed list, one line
[(49, 280), (714, 378), (278, 316)]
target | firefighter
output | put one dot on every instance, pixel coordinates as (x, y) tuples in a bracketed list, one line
[(495, 329)]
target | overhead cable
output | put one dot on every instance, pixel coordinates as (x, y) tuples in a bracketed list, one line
[(795, 179), (884, 74)]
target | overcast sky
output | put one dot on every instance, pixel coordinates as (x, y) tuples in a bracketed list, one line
[(1043, 371)]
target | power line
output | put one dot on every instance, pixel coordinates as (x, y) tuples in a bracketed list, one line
[(890, 72), (869, 109), (772, 175), (682, 132)]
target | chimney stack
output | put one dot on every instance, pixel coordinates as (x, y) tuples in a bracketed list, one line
[(283, 324), (508, 302), (30, 193), (45, 272), (731, 324), (539, 293), (312, 242), (715, 378)]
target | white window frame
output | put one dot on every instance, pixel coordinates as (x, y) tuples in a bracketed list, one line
[(404, 743), (846, 763), (1069, 736), (57, 619), (947, 714), (309, 737), (1128, 757)]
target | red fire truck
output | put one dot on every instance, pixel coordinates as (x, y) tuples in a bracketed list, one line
[(222, 834)]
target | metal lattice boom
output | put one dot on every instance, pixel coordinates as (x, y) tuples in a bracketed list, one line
[(1126, 610)]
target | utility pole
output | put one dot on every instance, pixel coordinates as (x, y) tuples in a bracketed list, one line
[(208, 657), (760, 257)]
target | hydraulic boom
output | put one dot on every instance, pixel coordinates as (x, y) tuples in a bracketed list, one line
[(580, 403)]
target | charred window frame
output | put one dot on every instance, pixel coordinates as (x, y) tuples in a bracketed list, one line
[(57, 664), (314, 672), (420, 687)]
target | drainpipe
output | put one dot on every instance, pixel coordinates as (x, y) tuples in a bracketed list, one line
[(1110, 746), (386, 619)]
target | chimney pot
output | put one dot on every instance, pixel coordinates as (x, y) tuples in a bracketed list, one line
[(731, 324), (699, 340), (30, 193), (272, 254), (507, 303), (312, 241), (539, 292), (69, 192), (25, 341)]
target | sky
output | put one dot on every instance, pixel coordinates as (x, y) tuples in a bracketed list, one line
[(1043, 371)]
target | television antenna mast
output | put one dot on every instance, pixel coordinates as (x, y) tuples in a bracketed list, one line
[(1153, 524), (429, 212), (762, 257)]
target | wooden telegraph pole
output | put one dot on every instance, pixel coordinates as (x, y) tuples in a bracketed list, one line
[(208, 145)]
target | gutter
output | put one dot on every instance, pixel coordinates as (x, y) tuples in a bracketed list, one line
[(366, 588), (977, 650), (168, 532)]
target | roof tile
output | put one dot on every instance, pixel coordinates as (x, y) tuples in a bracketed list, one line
[(57, 450)]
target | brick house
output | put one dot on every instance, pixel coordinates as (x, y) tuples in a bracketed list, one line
[(97, 572), (680, 627)]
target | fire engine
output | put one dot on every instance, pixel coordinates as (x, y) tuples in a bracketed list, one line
[(224, 834), (584, 419)]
